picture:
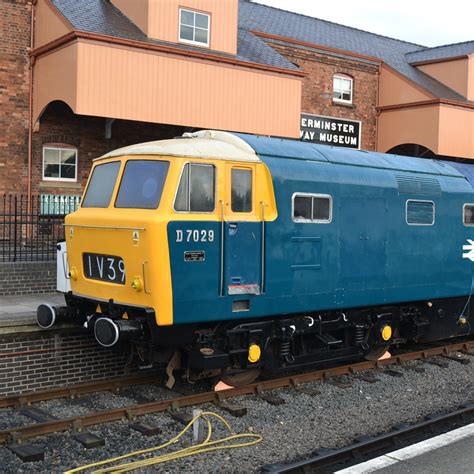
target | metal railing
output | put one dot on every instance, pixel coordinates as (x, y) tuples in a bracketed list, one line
[(31, 228)]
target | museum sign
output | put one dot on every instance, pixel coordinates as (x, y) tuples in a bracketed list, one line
[(330, 131)]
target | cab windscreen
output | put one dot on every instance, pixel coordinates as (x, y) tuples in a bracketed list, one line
[(101, 185), (142, 184)]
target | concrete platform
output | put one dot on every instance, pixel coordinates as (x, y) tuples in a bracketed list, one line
[(18, 313), (449, 452)]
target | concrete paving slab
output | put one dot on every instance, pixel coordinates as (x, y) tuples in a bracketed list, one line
[(15, 309), (457, 458), (449, 452), (33, 299), (20, 310), (18, 313), (30, 300)]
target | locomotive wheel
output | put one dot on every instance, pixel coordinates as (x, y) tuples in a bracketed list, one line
[(241, 378), (377, 353)]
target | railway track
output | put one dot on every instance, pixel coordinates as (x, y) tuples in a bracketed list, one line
[(78, 423), (323, 460), (74, 391)]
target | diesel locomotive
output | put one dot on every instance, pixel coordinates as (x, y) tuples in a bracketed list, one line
[(223, 254)]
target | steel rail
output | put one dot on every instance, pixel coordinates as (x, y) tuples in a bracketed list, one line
[(327, 458), (74, 391), (130, 412)]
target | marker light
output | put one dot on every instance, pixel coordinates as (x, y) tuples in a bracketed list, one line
[(137, 283)]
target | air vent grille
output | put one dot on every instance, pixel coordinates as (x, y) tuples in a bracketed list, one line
[(418, 186)]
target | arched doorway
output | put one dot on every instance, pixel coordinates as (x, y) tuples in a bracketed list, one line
[(412, 149)]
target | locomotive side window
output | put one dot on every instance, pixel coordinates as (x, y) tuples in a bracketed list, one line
[(196, 191), (420, 212), (142, 184), (302, 208), (321, 209), (241, 197), (101, 185), (468, 214), (315, 208)]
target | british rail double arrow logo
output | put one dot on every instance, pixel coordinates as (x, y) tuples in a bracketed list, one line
[(468, 250)]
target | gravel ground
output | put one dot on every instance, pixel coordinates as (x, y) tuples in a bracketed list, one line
[(64, 408), (290, 432), (10, 417)]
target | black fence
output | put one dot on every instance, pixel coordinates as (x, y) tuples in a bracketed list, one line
[(31, 228)]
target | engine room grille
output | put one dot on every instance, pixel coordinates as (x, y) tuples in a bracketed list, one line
[(418, 186)]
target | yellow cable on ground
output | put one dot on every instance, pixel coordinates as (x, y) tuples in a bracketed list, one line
[(206, 446)]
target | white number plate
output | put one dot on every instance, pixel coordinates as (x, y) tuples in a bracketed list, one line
[(190, 235)]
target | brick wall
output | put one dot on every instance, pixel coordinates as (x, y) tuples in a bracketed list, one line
[(14, 93), (50, 359), (321, 69), (59, 125), (23, 278)]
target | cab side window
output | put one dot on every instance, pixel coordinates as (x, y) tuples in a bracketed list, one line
[(241, 197), (314, 208), (468, 214), (196, 191), (420, 212)]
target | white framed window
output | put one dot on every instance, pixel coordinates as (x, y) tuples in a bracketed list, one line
[(312, 208), (194, 27), (59, 164), (420, 212), (342, 89), (241, 190), (197, 189), (468, 215)]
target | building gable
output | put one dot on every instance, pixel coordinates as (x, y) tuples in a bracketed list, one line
[(454, 74), (49, 24), (395, 89)]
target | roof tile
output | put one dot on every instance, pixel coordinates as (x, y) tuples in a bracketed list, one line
[(322, 32), (441, 52)]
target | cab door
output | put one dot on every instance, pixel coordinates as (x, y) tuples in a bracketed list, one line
[(244, 232)]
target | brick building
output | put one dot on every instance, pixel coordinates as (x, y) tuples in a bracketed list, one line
[(14, 92), (78, 79)]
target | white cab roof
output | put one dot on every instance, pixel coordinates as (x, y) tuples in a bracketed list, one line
[(203, 144)]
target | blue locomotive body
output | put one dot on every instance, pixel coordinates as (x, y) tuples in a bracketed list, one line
[(395, 235)]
